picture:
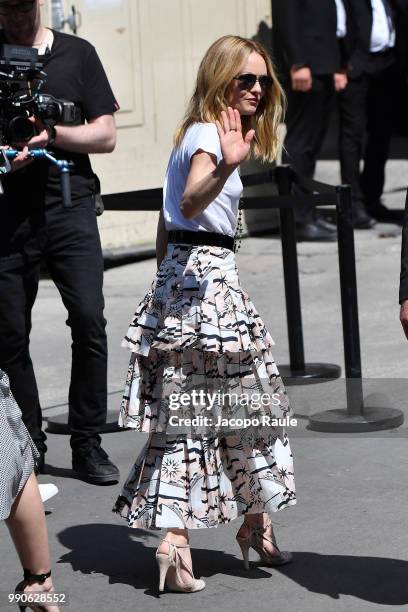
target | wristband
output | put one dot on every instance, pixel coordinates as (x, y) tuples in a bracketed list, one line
[(52, 134)]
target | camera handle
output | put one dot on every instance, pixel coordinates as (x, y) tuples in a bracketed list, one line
[(62, 164)]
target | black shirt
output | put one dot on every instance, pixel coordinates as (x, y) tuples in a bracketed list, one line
[(74, 72)]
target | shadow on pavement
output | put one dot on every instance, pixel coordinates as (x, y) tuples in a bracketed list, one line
[(375, 579), (122, 554), (52, 470)]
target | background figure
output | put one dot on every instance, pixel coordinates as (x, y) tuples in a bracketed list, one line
[(367, 106), (401, 47), (308, 37), (36, 226), (20, 501)]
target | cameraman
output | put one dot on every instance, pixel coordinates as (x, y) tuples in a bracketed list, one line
[(36, 226)]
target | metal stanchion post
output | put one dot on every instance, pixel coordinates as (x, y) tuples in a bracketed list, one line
[(358, 416), (297, 372), (291, 274)]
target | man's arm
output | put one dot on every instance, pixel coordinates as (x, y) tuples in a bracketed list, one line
[(96, 136), (287, 23), (288, 28), (403, 288)]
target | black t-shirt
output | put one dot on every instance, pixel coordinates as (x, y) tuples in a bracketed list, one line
[(74, 72)]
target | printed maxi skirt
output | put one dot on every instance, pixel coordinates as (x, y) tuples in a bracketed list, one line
[(202, 383)]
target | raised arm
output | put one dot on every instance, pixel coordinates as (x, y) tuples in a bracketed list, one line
[(206, 179)]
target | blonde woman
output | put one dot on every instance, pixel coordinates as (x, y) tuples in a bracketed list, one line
[(196, 331)]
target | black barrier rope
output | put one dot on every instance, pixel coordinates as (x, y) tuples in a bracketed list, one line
[(312, 186), (258, 195), (358, 416), (259, 198)]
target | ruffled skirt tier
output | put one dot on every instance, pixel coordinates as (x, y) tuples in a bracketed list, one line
[(198, 347)]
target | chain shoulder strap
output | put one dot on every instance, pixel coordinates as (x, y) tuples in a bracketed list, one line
[(239, 229)]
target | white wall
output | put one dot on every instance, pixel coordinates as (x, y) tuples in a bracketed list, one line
[(151, 50)]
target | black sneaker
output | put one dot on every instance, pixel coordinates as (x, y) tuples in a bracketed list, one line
[(361, 218), (314, 231), (325, 224), (387, 215), (92, 464)]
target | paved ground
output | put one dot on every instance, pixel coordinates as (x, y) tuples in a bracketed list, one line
[(348, 531)]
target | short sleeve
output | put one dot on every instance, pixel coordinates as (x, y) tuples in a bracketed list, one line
[(205, 138), (97, 96)]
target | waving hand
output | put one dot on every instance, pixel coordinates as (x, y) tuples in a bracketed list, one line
[(234, 145)]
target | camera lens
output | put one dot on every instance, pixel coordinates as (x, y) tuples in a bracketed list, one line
[(20, 129)]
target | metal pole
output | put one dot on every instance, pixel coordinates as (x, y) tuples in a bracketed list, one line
[(291, 273), (349, 305), (374, 413)]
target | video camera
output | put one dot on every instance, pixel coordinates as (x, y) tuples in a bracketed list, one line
[(21, 79)]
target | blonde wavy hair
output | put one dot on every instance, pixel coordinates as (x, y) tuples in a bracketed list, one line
[(221, 63)]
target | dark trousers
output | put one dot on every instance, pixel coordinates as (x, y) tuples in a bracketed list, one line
[(68, 241), (306, 122), (366, 116)]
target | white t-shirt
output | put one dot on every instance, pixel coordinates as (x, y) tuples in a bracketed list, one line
[(221, 214)]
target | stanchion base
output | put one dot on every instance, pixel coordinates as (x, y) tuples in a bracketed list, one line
[(59, 424), (312, 373), (372, 418)]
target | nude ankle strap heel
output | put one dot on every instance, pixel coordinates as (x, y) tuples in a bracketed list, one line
[(171, 561), (244, 545), (254, 540), (164, 563)]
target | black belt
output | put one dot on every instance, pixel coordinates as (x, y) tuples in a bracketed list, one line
[(201, 238)]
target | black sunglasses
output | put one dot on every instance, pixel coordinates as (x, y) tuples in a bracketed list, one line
[(247, 81), (22, 7)]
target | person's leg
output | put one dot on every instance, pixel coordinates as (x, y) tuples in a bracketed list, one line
[(75, 262), (306, 122), (352, 103), (28, 529), (353, 121), (260, 520), (179, 537), (380, 101)]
